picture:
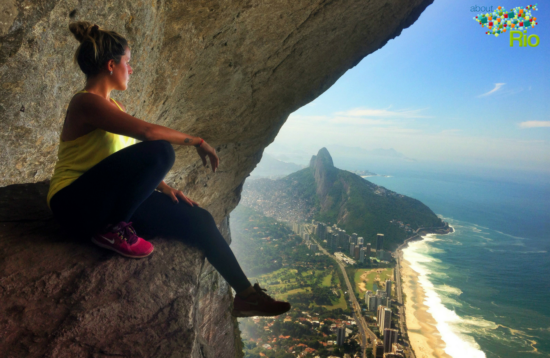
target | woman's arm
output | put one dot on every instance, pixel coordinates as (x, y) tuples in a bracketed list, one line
[(173, 136), (162, 185), (97, 112)]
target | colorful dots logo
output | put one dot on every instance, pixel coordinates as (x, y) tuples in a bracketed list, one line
[(514, 21)]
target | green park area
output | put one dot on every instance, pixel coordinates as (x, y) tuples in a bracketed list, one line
[(295, 283), (364, 280), (341, 303)]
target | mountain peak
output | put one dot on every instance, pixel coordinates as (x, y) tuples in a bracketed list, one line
[(322, 159), (324, 171)]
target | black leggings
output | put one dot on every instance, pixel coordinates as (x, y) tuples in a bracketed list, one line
[(121, 188)]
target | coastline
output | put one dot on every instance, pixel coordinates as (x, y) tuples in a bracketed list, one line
[(421, 327), (424, 336)]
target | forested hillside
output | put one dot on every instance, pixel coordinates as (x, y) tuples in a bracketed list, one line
[(326, 193)]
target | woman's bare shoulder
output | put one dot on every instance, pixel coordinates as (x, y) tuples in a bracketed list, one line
[(86, 101), (120, 104)]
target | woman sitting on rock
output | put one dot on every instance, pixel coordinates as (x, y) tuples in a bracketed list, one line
[(103, 179)]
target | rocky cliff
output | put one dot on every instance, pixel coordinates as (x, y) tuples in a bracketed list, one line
[(228, 71), (324, 172)]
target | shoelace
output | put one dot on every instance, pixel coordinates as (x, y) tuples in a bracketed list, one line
[(127, 232), (262, 293)]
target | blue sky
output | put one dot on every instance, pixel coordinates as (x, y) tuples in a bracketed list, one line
[(441, 91)]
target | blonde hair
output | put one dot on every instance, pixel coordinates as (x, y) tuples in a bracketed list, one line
[(97, 47)]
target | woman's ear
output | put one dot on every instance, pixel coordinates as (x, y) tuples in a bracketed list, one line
[(110, 65)]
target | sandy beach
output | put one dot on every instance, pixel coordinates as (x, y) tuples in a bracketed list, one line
[(421, 326)]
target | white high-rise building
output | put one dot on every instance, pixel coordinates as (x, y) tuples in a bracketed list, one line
[(384, 318), (356, 252), (363, 255), (367, 295), (360, 241), (340, 335), (390, 337), (388, 288), (351, 250), (372, 305), (335, 242), (379, 242), (378, 349), (381, 300)]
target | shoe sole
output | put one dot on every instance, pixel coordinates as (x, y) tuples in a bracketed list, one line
[(118, 252), (256, 313)]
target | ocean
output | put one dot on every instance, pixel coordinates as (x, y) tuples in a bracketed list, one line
[(488, 283)]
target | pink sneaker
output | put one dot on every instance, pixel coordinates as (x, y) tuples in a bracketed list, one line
[(123, 239)]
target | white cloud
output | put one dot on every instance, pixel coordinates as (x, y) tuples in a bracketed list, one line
[(414, 139), (498, 86), (383, 113), (534, 124)]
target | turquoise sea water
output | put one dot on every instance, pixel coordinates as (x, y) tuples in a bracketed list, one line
[(489, 282)]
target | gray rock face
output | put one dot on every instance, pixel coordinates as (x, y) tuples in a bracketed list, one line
[(228, 71), (63, 297), (324, 172)]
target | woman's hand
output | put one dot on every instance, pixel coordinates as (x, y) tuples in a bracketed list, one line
[(174, 194), (205, 150)]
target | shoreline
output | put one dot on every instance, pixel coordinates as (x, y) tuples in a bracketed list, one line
[(424, 337), (421, 327)]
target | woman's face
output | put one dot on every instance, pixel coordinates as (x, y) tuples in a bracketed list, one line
[(122, 71)]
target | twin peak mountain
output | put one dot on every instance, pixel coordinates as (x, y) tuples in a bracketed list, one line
[(334, 196)]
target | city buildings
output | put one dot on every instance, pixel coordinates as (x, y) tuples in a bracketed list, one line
[(390, 337), (383, 255), (379, 242), (356, 252), (384, 318), (388, 288), (396, 349), (321, 231), (378, 349), (393, 355), (341, 335), (372, 301), (334, 244), (360, 241), (363, 255)]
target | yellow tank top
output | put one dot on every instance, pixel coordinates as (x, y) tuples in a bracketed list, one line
[(75, 157)]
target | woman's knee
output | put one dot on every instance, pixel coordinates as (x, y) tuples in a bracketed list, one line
[(203, 216), (161, 153)]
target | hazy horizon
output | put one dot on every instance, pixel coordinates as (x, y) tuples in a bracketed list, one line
[(441, 92)]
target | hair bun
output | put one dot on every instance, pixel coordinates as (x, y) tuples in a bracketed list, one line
[(82, 30)]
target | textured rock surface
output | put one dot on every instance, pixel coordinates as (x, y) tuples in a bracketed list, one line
[(63, 297), (324, 172), (228, 71)]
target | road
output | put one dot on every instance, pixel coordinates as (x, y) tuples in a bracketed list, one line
[(363, 328)]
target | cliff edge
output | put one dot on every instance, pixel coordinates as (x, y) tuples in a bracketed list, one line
[(230, 72)]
